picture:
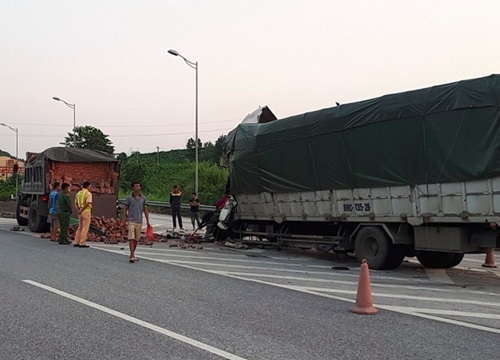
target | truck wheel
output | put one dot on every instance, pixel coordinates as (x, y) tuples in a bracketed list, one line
[(20, 220), (36, 223), (373, 244), (396, 256), (457, 259), (437, 259)]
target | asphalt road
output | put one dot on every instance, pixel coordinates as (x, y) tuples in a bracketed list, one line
[(61, 302)]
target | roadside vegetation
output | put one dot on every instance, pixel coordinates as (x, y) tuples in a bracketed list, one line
[(157, 180), (7, 188), (156, 171)]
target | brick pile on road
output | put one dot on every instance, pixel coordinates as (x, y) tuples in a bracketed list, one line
[(112, 232)]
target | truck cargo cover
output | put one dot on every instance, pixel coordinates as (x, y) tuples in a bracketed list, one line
[(445, 133), (64, 154)]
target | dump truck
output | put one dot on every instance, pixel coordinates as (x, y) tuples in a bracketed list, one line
[(408, 174), (73, 166)]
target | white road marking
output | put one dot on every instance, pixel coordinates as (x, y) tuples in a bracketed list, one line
[(467, 268), (476, 261), (263, 261), (443, 312), (438, 275), (139, 322), (449, 321), (289, 287), (179, 262), (188, 253), (402, 310), (404, 297), (373, 284)]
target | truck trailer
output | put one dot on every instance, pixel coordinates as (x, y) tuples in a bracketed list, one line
[(408, 174), (73, 166)]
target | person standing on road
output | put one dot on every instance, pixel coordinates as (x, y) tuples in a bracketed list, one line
[(175, 205), (194, 202), (135, 204), (53, 213), (65, 210), (83, 202)]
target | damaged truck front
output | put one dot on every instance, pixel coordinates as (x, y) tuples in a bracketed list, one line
[(408, 174), (73, 166)]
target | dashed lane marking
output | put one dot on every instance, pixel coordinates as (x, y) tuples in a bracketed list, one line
[(139, 322)]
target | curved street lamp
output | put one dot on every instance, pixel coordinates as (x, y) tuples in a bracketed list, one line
[(71, 106), (193, 65), (16, 130)]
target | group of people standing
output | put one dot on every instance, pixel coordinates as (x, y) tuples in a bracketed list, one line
[(135, 207), (60, 209), (175, 205)]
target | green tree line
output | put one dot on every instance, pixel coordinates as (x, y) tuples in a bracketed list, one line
[(159, 171), (157, 180), (8, 187), (156, 171)]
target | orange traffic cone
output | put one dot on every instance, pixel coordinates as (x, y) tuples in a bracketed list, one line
[(364, 304), (489, 262)]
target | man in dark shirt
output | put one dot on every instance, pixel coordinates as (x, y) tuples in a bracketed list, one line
[(175, 204), (65, 210), (195, 207)]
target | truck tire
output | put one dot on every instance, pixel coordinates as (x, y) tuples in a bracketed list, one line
[(36, 223), (373, 244), (396, 256), (437, 259), (20, 220), (457, 259)]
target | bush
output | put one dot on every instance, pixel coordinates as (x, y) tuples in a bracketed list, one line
[(7, 188), (157, 180)]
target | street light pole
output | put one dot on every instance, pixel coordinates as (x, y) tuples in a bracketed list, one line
[(16, 130), (196, 135), (71, 106), (193, 65)]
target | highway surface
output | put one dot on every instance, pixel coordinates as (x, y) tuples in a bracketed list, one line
[(61, 302)]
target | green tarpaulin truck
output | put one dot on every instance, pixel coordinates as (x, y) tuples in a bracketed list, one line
[(409, 174)]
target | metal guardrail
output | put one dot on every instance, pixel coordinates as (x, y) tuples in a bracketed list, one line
[(167, 205)]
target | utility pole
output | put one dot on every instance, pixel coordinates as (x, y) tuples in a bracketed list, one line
[(158, 155), (193, 65)]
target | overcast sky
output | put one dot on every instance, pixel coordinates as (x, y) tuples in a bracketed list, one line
[(109, 57)]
